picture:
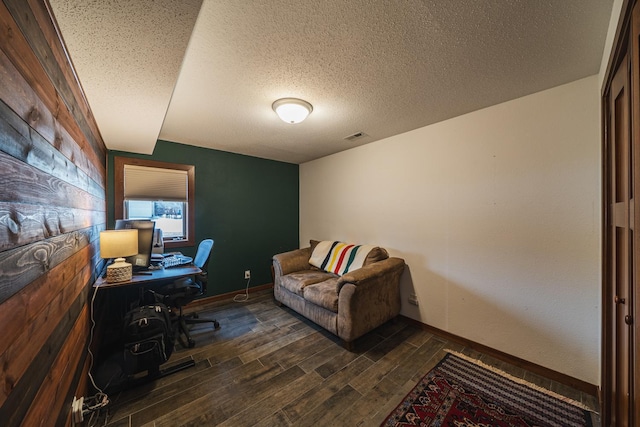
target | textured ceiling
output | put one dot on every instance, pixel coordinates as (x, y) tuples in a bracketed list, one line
[(127, 55), (378, 67)]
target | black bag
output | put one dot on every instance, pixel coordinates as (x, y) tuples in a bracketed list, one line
[(148, 338)]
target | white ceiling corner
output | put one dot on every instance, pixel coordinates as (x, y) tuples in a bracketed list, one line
[(382, 68), (127, 55)]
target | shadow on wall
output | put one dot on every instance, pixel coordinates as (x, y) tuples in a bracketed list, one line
[(508, 328), (407, 292)]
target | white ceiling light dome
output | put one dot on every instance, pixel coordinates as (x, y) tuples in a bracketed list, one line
[(292, 110)]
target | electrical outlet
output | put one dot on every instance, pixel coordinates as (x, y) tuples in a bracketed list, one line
[(413, 299), (247, 274)]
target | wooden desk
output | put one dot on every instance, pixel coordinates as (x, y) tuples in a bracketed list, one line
[(117, 301), (151, 277)]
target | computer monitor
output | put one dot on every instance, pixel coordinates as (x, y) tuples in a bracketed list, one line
[(145, 228)]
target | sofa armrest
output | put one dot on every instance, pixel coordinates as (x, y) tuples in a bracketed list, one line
[(291, 261), (372, 271), (369, 297)]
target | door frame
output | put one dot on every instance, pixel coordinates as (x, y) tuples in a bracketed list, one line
[(623, 44)]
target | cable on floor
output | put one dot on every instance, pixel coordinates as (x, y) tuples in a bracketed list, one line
[(245, 297)]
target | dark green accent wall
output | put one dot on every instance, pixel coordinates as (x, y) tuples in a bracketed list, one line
[(247, 205)]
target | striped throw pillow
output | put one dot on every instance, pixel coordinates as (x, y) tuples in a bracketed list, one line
[(338, 257)]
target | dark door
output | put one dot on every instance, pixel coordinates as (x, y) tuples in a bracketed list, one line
[(620, 246)]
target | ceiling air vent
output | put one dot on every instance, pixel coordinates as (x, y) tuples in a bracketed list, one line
[(357, 135)]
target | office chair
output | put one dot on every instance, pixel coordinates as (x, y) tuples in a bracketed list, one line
[(182, 291)]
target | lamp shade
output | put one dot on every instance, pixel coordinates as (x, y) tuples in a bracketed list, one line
[(118, 243), (292, 110)]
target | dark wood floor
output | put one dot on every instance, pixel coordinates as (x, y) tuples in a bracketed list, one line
[(268, 366)]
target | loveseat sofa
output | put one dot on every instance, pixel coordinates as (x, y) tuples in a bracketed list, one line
[(347, 289)]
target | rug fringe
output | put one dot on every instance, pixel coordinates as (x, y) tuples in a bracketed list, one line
[(520, 380)]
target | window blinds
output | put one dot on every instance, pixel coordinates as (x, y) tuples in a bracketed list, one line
[(146, 183)]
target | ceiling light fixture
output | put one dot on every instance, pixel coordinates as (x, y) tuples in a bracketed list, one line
[(292, 110)]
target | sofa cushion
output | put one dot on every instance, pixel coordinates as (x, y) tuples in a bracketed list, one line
[(323, 294), (297, 281), (339, 257)]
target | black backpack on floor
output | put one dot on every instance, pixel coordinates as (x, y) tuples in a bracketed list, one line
[(148, 338)]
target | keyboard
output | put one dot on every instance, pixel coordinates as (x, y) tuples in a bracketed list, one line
[(175, 260)]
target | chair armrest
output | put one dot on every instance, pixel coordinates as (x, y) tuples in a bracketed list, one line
[(288, 262), (372, 271), (202, 279)]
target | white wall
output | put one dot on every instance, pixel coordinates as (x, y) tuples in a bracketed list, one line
[(497, 214)]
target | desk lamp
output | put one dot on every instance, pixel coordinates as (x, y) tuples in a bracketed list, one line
[(118, 244)]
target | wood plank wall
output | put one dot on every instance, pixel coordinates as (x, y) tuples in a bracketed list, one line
[(52, 208)]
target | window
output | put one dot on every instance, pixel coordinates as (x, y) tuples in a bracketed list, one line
[(167, 215), (159, 191)]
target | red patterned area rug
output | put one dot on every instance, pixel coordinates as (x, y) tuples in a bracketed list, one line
[(463, 392)]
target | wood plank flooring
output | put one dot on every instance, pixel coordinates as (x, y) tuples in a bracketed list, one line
[(268, 366)]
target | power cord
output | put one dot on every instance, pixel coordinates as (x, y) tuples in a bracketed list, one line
[(245, 297), (98, 401)]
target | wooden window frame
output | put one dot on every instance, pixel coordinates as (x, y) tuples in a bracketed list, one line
[(118, 171)]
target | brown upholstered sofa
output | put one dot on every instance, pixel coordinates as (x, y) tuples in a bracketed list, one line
[(347, 305)]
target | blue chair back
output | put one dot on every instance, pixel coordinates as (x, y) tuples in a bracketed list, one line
[(202, 255)]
